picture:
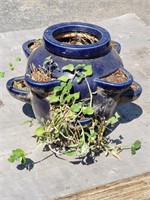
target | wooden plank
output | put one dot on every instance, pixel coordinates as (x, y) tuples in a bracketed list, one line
[(135, 188)]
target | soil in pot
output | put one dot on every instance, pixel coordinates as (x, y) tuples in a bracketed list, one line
[(133, 87), (39, 75), (76, 38), (35, 45), (20, 85), (116, 77), (113, 44)]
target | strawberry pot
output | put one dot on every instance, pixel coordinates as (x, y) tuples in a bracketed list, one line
[(77, 43)]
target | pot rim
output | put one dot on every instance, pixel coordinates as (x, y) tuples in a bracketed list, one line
[(25, 47), (118, 46), (10, 87), (33, 83), (77, 51), (115, 86), (19, 94)]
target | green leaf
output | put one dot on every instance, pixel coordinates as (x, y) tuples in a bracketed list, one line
[(137, 144), (70, 114), (133, 150), (39, 131), (79, 79), (2, 74), (69, 67), (17, 154), (84, 149), (112, 120), (117, 115), (23, 160), (63, 78), (65, 91), (76, 107), (18, 59), (69, 86), (81, 141), (73, 145), (11, 66), (92, 136), (71, 153), (80, 65), (87, 70), (88, 111), (76, 95), (12, 159), (53, 99), (57, 89), (62, 85), (68, 98), (87, 134)]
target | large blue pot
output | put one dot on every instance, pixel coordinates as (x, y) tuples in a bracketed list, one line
[(101, 55)]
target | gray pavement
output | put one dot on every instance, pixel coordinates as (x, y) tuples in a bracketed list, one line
[(53, 177), (31, 14)]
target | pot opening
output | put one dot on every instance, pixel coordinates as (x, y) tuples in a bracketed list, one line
[(113, 44), (40, 74), (116, 77), (76, 38), (34, 45), (20, 85), (133, 87)]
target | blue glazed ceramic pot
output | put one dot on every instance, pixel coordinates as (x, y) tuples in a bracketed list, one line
[(17, 93), (26, 47), (100, 53)]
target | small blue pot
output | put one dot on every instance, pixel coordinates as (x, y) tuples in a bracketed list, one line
[(102, 55), (20, 94), (41, 89), (26, 47)]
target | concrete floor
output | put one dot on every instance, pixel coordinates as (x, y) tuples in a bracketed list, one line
[(50, 177), (31, 14)]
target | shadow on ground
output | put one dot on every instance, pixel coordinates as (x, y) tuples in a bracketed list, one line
[(129, 112), (29, 165), (28, 111)]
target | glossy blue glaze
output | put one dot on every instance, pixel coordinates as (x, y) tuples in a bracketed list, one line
[(115, 86), (26, 46), (103, 58), (101, 66), (102, 55), (19, 94), (85, 121), (117, 46), (42, 89), (94, 50)]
